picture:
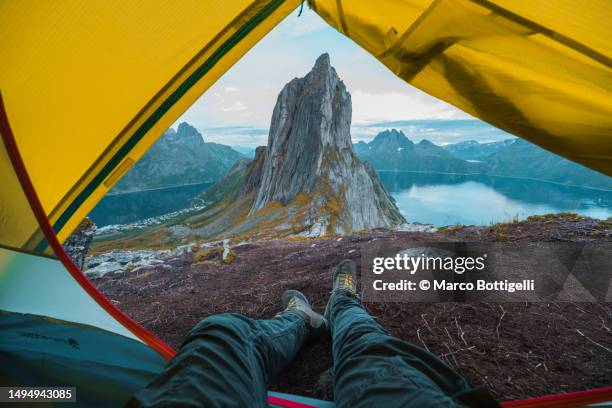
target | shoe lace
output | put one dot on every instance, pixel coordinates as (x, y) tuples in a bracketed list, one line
[(292, 304), (346, 279)]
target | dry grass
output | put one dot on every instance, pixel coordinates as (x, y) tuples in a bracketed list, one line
[(157, 238), (549, 218), (207, 254), (451, 229), (604, 224), (231, 256)]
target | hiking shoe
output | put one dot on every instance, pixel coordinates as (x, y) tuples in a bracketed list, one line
[(345, 278), (295, 300), (344, 282)]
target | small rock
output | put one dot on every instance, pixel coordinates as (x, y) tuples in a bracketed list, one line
[(228, 254), (78, 243), (415, 227)]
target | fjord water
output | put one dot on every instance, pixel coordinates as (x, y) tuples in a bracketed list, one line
[(125, 208), (439, 199), (448, 199)]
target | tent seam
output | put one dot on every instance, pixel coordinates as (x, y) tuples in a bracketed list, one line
[(28, 188)]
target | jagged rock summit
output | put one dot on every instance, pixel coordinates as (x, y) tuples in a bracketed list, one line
[(307, 180), (310, 122), (310, 153)]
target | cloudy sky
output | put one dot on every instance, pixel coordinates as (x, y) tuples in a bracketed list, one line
[(237, 109)]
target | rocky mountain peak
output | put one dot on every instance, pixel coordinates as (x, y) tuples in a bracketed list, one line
[(309, 153), (391, 138), (311, 119), (322, 71), (322, 61), (307, 180), (186, 134), (426, 144)]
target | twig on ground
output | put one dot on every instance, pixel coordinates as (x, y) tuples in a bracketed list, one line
[(460, 332), (448, 334), (179, 282), (593, 341), (500, 321), (419, 337), (603, 324), (457, 351), (426, 324), (450, 353), (578, 307)]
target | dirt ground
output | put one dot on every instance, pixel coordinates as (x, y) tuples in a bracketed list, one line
[(519, 350)]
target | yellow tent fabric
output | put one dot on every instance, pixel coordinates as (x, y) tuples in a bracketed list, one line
[(88, 86)]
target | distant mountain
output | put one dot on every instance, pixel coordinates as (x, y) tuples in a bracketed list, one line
[(178, 158), (473, 150), (228, 185), (391, 150), (438, 131), (246, 151), (523, 159)]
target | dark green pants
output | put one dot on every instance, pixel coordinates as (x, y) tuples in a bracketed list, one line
[(228, 360)]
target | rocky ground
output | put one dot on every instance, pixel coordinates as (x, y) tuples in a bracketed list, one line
[(518, 349)]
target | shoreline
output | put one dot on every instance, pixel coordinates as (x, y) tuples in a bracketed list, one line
[(113, 194)]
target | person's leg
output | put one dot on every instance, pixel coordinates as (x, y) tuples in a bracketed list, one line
[(372, 368), (228, 360)]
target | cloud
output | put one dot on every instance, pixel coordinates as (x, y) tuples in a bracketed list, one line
[(371, 107), (231, 89), (237, 136), (235, 107)]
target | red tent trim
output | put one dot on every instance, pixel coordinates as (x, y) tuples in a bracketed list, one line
[(572, 399), (26, 184)]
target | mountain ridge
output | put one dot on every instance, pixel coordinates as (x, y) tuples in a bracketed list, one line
[(473, 150), (392, 150), (179, 157)]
